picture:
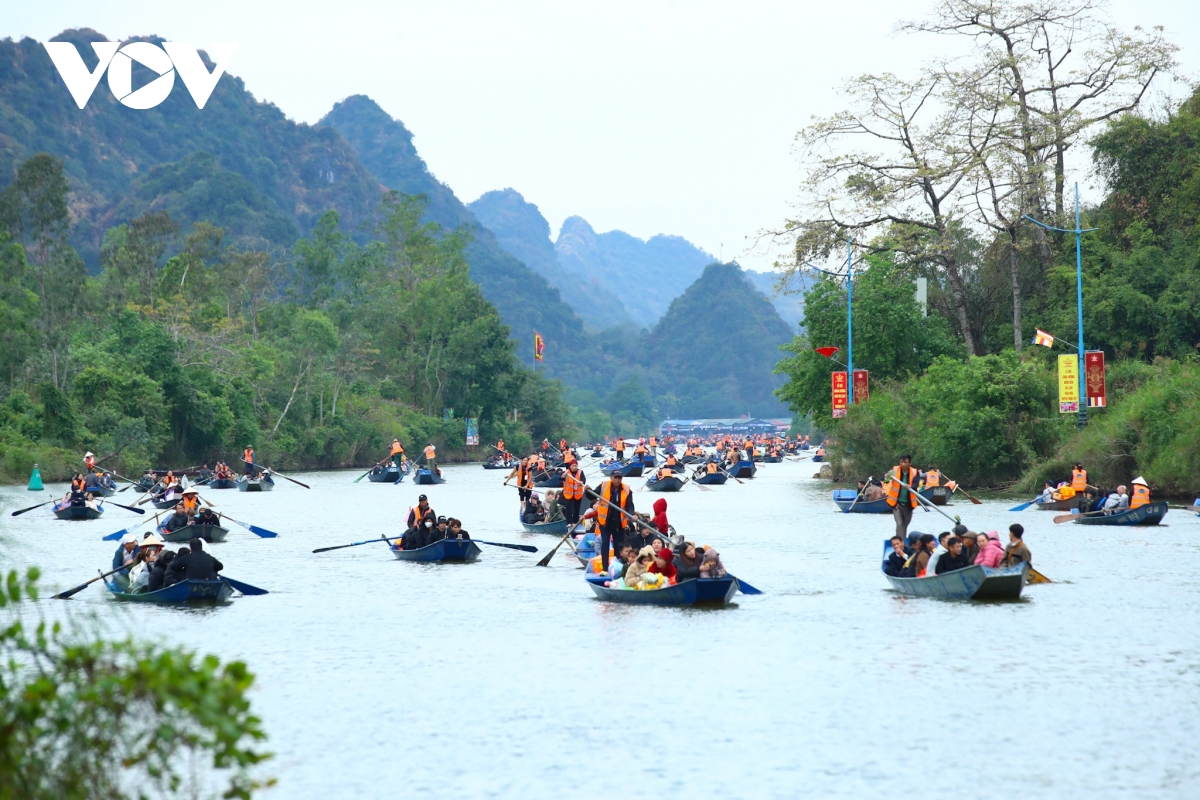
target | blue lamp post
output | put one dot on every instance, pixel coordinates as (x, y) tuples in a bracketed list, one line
[(849, 315), (1078, 231)]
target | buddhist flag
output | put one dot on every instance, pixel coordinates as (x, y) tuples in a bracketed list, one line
[(1043, 338), (539, 347)]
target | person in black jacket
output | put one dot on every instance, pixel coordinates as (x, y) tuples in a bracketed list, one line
[(177, 520), (456, 530), (687, 562), (894, 565), (197, 565), (954, 558), (158, 572), (641, 536), (438, 532)]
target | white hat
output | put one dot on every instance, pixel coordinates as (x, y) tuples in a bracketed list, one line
[(1139, 480), (129, 537), (88, 454), (191, 490)]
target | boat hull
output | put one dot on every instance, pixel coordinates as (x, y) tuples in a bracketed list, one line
[(263, 484), (446, 550), (714, 591), (558, 528), (388, 475), (667, 484), (217, 591), (427, 477), (715, 479), (845, 499), (548, 481), (938, 495), (102, 491), (1149, 514), (209, 533), (497, 466), (168, 500), (743, 469), (1058, 505), (973, 583), (631, 470), (222, 483), (818, 459), (78, 512)]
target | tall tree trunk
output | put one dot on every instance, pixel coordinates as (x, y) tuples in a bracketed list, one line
[(958, 291), (1014, 267)]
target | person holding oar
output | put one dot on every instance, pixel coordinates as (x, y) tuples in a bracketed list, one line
[(901, 493), (613, 493)]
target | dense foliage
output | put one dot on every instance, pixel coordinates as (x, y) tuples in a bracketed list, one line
[(317, 355), (85, 716)]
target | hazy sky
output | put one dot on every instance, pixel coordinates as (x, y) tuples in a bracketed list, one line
[(649, 116)]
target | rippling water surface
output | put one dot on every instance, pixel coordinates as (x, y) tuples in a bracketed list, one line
[(378, 678)]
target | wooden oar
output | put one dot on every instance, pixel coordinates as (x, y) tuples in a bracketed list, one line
[(280, 474), (929, 505), (82, 586), (730, 474), (368, 472), (31, 508), (381, 538), (1061, 518), (129, 508), (244, 588), (257, 531), (860, 494), (958, 488), (545, 562), (528, 548)]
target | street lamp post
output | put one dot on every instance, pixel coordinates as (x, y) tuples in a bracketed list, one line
[(1078, 231), (849, 315)]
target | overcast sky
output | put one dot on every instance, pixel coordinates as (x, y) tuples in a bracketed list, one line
[(648, 116)]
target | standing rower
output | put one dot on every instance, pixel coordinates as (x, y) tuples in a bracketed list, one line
[(612, 523), (397, 453), (901, 494), (572, 492), (248, 458)]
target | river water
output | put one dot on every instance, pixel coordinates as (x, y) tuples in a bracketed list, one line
[(377, 678)]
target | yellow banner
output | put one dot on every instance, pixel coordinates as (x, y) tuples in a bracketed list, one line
[(1068, 384)]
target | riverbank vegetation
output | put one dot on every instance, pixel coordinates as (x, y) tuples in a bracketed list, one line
[(190, 344), (962, 388)]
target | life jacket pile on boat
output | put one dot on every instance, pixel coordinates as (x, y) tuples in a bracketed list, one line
[(922, 555), (147, 566)]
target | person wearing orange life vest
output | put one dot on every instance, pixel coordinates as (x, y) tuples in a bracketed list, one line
[(671, 462), (89, 460), (191, 501), (653, 446), (572, 492), (248, 461), (901, 493), (397, 453), (619, 446), (419, 512), (1079, 479), (640, 451), (523, 472), (431, 457), (1139, 493), (613, 524)]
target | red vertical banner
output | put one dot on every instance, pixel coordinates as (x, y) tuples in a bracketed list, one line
[(841, 395), (1093, 378), (861, 390), (539, 347)]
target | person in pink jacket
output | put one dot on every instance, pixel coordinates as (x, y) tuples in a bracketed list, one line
[(991, 552)]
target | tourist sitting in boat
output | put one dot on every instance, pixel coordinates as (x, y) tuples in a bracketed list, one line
[(711, 566), (642, 535), (139, 572), (1117, 501), (91, 482), (158, 573), (177, 520), (533, 513), (970, 546), (206, 516), (438, 532), (894, 565), (918, 562), (1047, 495), (126, 550), (205, 474), (936, 555), (954, 558), (687, 562), (417, 534), (664, 563), (456, 530), (554, 508), (106, 481), (660, 516), (637, 568), (194, 564), (1017, 552), (91, 502), (991, 552), (663, 472), (874, 491)]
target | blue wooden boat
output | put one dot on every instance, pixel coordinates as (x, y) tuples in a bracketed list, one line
[(389, 474), (772, 459), (452, 550), (167, 500), (647, 461), (715, 479), (973, 583), (671, 483), (216, 591), (101, 491), (548, 480), (818, 459), (494, 465), (558, 528), (632, 469), (209, 533), (743, 469), (845, 497), (1149, 514), (68, 511), (694, 591), (427, 477), (263, 483), (222, 483)]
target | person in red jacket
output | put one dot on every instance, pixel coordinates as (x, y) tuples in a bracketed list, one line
[(660, 516)]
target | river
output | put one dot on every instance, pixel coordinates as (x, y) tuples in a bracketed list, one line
[(377, 678)]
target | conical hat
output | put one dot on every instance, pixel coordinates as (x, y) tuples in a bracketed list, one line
[(191, 490), (153, 541), (1139, 481)]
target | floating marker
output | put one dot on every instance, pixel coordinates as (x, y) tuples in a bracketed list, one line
[(35, 480)]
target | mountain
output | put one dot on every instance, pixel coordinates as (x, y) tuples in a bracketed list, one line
[(523, 232), (527, 302), (716, 347), (645, 274), (789, 306)]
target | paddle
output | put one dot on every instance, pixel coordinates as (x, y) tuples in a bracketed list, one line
[(31, 508), (528, 548), (746, 588), (545, 562), (368, 472), (244, 588), (730, 475), (280, 474), (129, 508), (82, 586), (415, 467), (929, 505), (381, 538), (1037, 577), (1023, 506), (112, 537), (860, 494), (257, 531), (1061, 518), (958, 488)]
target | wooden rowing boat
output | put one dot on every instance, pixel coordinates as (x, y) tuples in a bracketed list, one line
[(547, 480), (217, 591), (694, 591), (557, 528), (1069, 504), (443, 550), (222, 483), (743, 469), (263, 483), (1149, 514), (972, 583), (389, 474), (772, 459), (670, 483), (938, 495), (818, 459), (168, 499), (715, 479), (632, 469), (77, 512), (101, 491), (490, 465), (427, 477), (209, 533)]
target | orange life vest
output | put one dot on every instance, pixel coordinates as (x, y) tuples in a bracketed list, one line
[(430, 451), (653, 442), (524, 476), (619, 444), (933, 478), (640, 450), (190, 502), (671, 460), (573, 485), (397, 448), (248, 455), (500, 445), (1140, 496), (602, 509), (712, 468), (1079, 479), (893, 487)]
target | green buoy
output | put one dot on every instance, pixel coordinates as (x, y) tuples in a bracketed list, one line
[(35, 480)]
